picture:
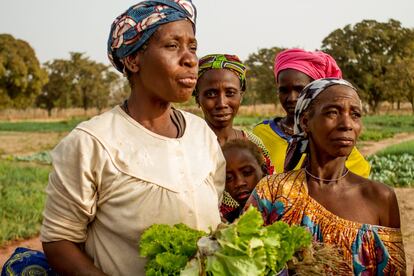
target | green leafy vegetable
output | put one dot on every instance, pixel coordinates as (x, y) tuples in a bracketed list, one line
[(393, 169), (249, 248), (168, 248), (245, 247)]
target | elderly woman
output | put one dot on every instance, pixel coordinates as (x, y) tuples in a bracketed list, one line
[(358, 215), (135, 165), (293, 70)]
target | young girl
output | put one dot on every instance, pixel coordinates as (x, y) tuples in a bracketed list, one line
[(245, 166)]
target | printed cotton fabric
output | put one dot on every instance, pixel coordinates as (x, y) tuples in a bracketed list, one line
[(135, 26), (367, 249), (223, 61), (317, 64)]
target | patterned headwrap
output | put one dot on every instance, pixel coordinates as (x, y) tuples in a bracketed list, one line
[(223, 61), (317, 65), (135, 26), (299, 143)]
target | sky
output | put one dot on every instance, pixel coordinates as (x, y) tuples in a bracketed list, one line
[(56, 27)]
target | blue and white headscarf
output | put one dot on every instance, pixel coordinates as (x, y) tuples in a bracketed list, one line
[(136, 25), (299, 143)]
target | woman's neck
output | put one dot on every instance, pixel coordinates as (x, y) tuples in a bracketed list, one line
[(226, 134), (288, 121), (286, 125), (325, 170), (154, 116)]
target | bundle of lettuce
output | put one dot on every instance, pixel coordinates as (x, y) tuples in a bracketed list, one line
[(245, 247)]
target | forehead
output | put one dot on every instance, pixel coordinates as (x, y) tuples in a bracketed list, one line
[(239, 154), (175, 28), (338, 93), (214, 76), (292, 76)]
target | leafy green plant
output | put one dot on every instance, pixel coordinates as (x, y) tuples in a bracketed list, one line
[(245, 247), (249, 248), (395, 170), (168, 248), (378, 127)]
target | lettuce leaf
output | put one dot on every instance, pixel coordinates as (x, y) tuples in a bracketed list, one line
[(245, 247), (168, 248), (249, 248)]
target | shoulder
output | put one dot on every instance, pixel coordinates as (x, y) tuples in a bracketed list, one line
[(376, 189), (262, 126), (268, 130), (101, 122), (383, 198), (281, 184), (76, 139), (197, 126)]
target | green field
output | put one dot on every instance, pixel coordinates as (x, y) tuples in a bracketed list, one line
[(394, 165), (406, 147), (21, 199), (385, 126), (375, 127), (28, 126)]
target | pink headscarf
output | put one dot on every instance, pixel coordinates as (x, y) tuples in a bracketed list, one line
[(317, 65)]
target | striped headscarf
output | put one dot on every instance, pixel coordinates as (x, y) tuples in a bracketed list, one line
[(136, 25), (223, 61), (299, 143), (317, 64)]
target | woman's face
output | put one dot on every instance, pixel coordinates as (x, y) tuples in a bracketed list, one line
[(219, 96), (290, 83), (168, 66), (243, 172), (333, 122)]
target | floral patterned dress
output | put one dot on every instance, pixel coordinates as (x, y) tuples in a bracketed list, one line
[(367, 249)]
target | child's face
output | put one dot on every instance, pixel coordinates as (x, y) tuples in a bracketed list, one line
[(242, 173)]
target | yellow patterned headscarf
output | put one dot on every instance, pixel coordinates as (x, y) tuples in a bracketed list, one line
[(223, 61)]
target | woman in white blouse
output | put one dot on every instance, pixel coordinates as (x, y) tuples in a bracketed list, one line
[(140, 163)]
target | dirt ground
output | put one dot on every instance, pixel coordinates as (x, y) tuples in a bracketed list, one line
[(18, 143), (13, 143)]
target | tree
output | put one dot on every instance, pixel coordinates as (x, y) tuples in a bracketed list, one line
[(57, 92), (21, 77), (260, 80), (364, 53), (77, 82), (400, 79)]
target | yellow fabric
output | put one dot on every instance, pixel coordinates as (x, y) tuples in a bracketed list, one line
[(112, 179), (277, 147)]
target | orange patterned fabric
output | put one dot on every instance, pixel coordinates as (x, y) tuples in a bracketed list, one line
[(367, 249)]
